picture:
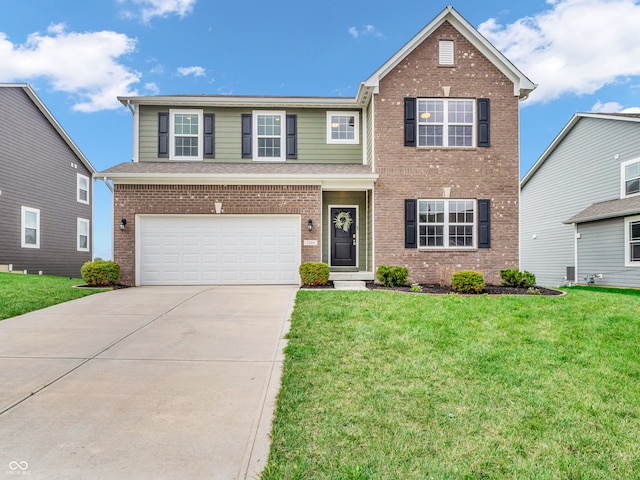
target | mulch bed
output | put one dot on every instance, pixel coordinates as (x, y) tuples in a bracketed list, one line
[(438, 290)]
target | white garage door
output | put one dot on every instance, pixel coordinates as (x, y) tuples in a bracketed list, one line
[(215, 250)]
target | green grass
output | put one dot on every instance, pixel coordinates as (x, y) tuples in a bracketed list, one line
[(25, 293), (382, 385)]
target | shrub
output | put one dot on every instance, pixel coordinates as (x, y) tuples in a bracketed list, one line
[(391, 276), (99, 273), (467, 281), (314, 273), (516, 278)]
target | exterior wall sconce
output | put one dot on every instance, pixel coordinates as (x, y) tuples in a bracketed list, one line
[(310, 224), (123, 224)]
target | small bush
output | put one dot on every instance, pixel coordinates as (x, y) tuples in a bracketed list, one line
[(391, 276), (467, 281), (99, 273), (415, 287), (314, 273), (518, 279)]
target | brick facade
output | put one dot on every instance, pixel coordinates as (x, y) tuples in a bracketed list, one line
[(130, 200), (472, 173)]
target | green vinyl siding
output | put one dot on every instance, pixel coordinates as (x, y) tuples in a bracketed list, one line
[(311, 137)]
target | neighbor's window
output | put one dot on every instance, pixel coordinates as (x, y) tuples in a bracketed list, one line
[(445, 123), (343, 127), (83, 235), (632, 241), (185, 141), (445, 52), (83, 189), (268, 138), (446, 223), (631, 177), (30, 227)]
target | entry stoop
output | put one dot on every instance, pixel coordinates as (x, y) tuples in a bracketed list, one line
[(349, 285), (351, 276)]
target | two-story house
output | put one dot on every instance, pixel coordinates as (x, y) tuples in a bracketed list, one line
[(419, 169), (580, 210), (45, 189)]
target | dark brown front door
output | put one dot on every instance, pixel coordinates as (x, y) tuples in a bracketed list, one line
[(342, 226)]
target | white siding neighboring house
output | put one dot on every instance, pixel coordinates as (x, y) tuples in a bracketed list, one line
[(580, 204)]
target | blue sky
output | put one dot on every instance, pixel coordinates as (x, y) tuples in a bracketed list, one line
[(584, 54)]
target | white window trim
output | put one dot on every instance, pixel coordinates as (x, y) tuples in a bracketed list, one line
[(283, 135), (88, 223), (445, 56), (81, 177), (445, 124), (446, 246), (623, 183), (356, 128), (172, 135), (627, 239), (25, 210)]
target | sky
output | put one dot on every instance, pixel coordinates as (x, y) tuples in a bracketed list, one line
[(79, 56)]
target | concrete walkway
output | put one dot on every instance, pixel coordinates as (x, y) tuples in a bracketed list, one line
[(143, 383)]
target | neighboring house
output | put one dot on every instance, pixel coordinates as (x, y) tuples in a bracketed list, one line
[(419, 169), (580, 204), (45, 189)]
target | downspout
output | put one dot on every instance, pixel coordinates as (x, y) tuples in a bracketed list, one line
[(576, 237)]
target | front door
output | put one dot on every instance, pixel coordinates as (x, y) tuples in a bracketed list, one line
[(343, 238)]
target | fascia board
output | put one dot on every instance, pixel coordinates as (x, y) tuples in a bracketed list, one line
[(232, 101)]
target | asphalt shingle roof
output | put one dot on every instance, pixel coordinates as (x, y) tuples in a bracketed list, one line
[(610, 209)]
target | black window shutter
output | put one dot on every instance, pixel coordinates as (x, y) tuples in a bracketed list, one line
[(292, 137), (209, 135), (410, 224), (409, 122), (484, 224), (163, 134), (246, 135), (483, 122)]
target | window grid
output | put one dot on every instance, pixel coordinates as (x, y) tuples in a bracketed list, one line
[(456, 117), (186, 130), (268, 137), (455, 217), (342, 127)]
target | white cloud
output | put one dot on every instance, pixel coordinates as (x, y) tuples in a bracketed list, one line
[(152, 88), (366, 31), (576, 46), (148, 9), (613, 107), (82, 64), (195, 71)]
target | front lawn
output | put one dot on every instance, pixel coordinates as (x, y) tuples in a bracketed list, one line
[(24, 293), (383, 385)]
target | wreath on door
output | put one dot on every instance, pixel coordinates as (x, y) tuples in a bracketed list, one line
[(343, 220)]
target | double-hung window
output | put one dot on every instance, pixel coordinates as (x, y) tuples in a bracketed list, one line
[(83, 188), (446, 122), (185, 139), (630, 178), (268, 138), (30, 227), (83, 235), (343, 127), (632, 241), (446, 223)]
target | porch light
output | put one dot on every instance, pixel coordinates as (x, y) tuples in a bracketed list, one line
[(123, 224), (310, 224)]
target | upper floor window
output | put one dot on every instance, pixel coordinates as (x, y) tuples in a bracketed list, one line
[(30, 227), (445, 123), (630, 177), (83, 188), (445, 52), (83, 235), (268, 138), (446, 223), (343, 127), (185, 137)]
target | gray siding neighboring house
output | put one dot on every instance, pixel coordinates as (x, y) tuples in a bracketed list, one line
[(46, 193), (575, 211)]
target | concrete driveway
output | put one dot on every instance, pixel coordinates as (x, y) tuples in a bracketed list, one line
[(143, 383)]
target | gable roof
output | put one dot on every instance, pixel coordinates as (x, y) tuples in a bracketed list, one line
[(54, 123), (521, 84), (624, 117)]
